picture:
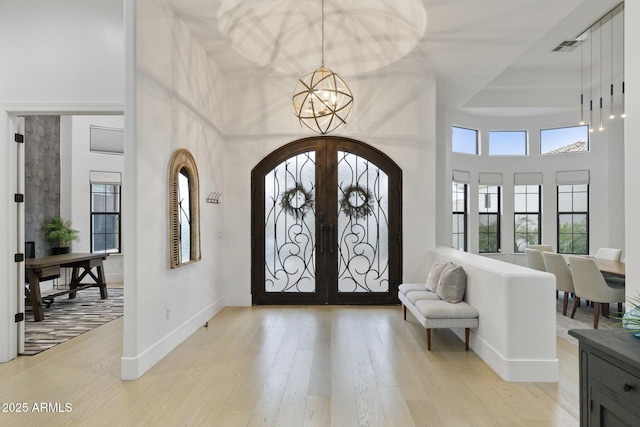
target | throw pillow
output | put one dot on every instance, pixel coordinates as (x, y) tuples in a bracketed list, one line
[(453, 284), (434, 275)]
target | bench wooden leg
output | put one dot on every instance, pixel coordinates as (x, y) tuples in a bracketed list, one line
[(404, 311), (466, 339), (428, 339)]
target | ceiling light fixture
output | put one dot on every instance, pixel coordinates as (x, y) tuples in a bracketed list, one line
[(582, 81), (623, 113), (322, 100), (612, 113), (601, 127), (591, 80)]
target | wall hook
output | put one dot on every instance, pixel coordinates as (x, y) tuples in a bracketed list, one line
[(214, 197)]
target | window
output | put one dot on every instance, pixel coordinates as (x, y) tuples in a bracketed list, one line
[(527, 214), (573, 219), (508, 143), (105, 218), (459, 220), (564, 140), (489, 218), (464, 140)]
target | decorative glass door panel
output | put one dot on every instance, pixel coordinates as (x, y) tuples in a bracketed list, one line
[(289, 229), (363, 235), (326, 225)]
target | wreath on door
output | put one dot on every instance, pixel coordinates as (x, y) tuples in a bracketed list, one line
[(356, 201), (297, 200)]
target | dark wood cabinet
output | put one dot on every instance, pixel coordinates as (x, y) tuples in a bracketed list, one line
[(609, 378)]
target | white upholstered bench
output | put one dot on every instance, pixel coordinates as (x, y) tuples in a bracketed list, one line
[(434, 309)]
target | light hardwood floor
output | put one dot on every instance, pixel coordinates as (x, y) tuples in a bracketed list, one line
[(287, 366)]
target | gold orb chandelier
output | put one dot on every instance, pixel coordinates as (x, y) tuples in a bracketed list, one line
[(322, 100)]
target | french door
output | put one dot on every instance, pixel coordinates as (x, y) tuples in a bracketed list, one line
[(326, 224)]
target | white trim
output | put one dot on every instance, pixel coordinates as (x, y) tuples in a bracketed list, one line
[(134, 367)]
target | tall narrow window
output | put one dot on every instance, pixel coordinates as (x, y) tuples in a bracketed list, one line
[(489, 218), (464, 140), (105, 218), (573, 219), (459, 220), (527, 215)]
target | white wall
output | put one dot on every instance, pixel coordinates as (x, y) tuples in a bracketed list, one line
[(62, 56), (603, 161), (77, 162), (176, 102), (632, 148)]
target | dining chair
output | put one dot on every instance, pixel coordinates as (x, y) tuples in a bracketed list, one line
[(541, 248), (557, 265), (590, 285), (609, 254), (534, 259)]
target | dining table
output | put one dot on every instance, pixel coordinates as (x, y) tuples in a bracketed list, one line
[(611, 268), (81, 265)]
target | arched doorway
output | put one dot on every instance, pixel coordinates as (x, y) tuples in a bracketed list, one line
[(326, 224)]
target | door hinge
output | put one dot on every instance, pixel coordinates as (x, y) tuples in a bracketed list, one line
[(18, 198), (18, 137), (19, 317), (19, 257)]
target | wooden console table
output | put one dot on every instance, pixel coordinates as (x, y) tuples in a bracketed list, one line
[(609, 377), (37, 268)]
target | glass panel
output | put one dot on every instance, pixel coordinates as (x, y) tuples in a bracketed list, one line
[(580, 202), (184, 215), (565, 202), (520, 202), (564, 140), (290, 219), (532, 202), (507, 143), (464, 140), (363, 237)]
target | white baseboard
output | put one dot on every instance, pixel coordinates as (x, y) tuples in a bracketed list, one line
[(134, 367), (533, 370)]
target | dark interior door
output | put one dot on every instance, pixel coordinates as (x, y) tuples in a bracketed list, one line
[(326, 224)]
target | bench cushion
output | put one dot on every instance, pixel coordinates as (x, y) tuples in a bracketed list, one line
[(409, 287), (415, 296), (432, 309)]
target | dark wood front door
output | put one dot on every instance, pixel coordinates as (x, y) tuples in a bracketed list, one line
[(326, 224)]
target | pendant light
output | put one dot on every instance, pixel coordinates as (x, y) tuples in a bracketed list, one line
[(612, 113), (322, 100), (601, 127)]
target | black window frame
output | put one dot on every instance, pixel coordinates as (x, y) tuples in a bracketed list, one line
[(490, 214), (528, 213), (464, 213), (93, 214), (573, 213)]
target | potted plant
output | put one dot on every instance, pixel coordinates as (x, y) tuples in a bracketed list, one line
[(60, 231)]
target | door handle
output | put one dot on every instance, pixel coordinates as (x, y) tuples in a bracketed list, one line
[(322, 237), (331, 238)]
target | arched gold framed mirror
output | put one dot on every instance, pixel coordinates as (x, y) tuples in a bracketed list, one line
[(184, 209)]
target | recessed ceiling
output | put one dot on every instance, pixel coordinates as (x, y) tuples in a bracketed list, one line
[(286, 35), (490, 57)]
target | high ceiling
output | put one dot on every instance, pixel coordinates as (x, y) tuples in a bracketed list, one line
[(490, 57)]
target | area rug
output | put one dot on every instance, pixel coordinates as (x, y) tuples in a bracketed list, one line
[(68, 318), (582, 320)]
